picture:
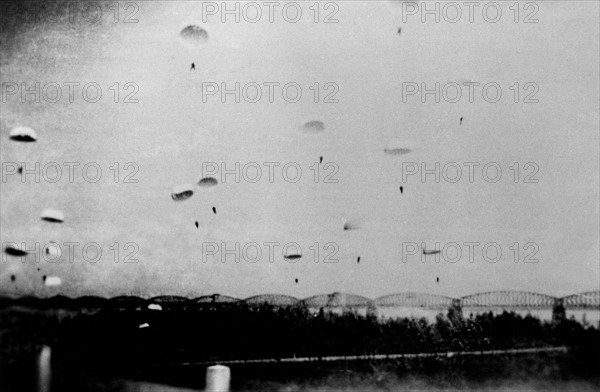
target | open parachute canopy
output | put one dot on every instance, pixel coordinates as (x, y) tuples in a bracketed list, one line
[(208, 182), (182, 192), (13, 251), (51, 215), (53, 281), (350, 225), (194, 35), (395, 150), (313, 127), (23, 134)]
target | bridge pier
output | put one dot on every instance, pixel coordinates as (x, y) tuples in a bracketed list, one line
[(558, 310)]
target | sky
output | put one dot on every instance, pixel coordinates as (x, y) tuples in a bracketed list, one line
[(548, 211)]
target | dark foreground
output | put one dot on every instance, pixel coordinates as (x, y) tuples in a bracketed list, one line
[(570, 371), (106, 350)]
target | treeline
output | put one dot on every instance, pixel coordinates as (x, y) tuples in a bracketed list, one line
[(240, 331)]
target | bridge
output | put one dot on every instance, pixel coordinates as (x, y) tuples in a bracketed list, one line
[(585, 305)]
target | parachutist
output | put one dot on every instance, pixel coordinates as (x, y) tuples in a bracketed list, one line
[(193, 67), (214, 210), (461, 120), (401, 189)]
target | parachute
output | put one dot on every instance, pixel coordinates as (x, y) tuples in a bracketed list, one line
[(11, 250), (355, 223), (208, 182), (292, 256), (23, 134), (350, 226), (54, 216), (53, 281), (397, 146), (396, 150), (182, 192), (313, 127), (194, 35)]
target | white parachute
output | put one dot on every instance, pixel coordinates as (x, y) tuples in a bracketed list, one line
[(23, 134), (51, 215), (53, 281)]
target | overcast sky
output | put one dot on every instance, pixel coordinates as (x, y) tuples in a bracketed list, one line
[(170, 132)]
